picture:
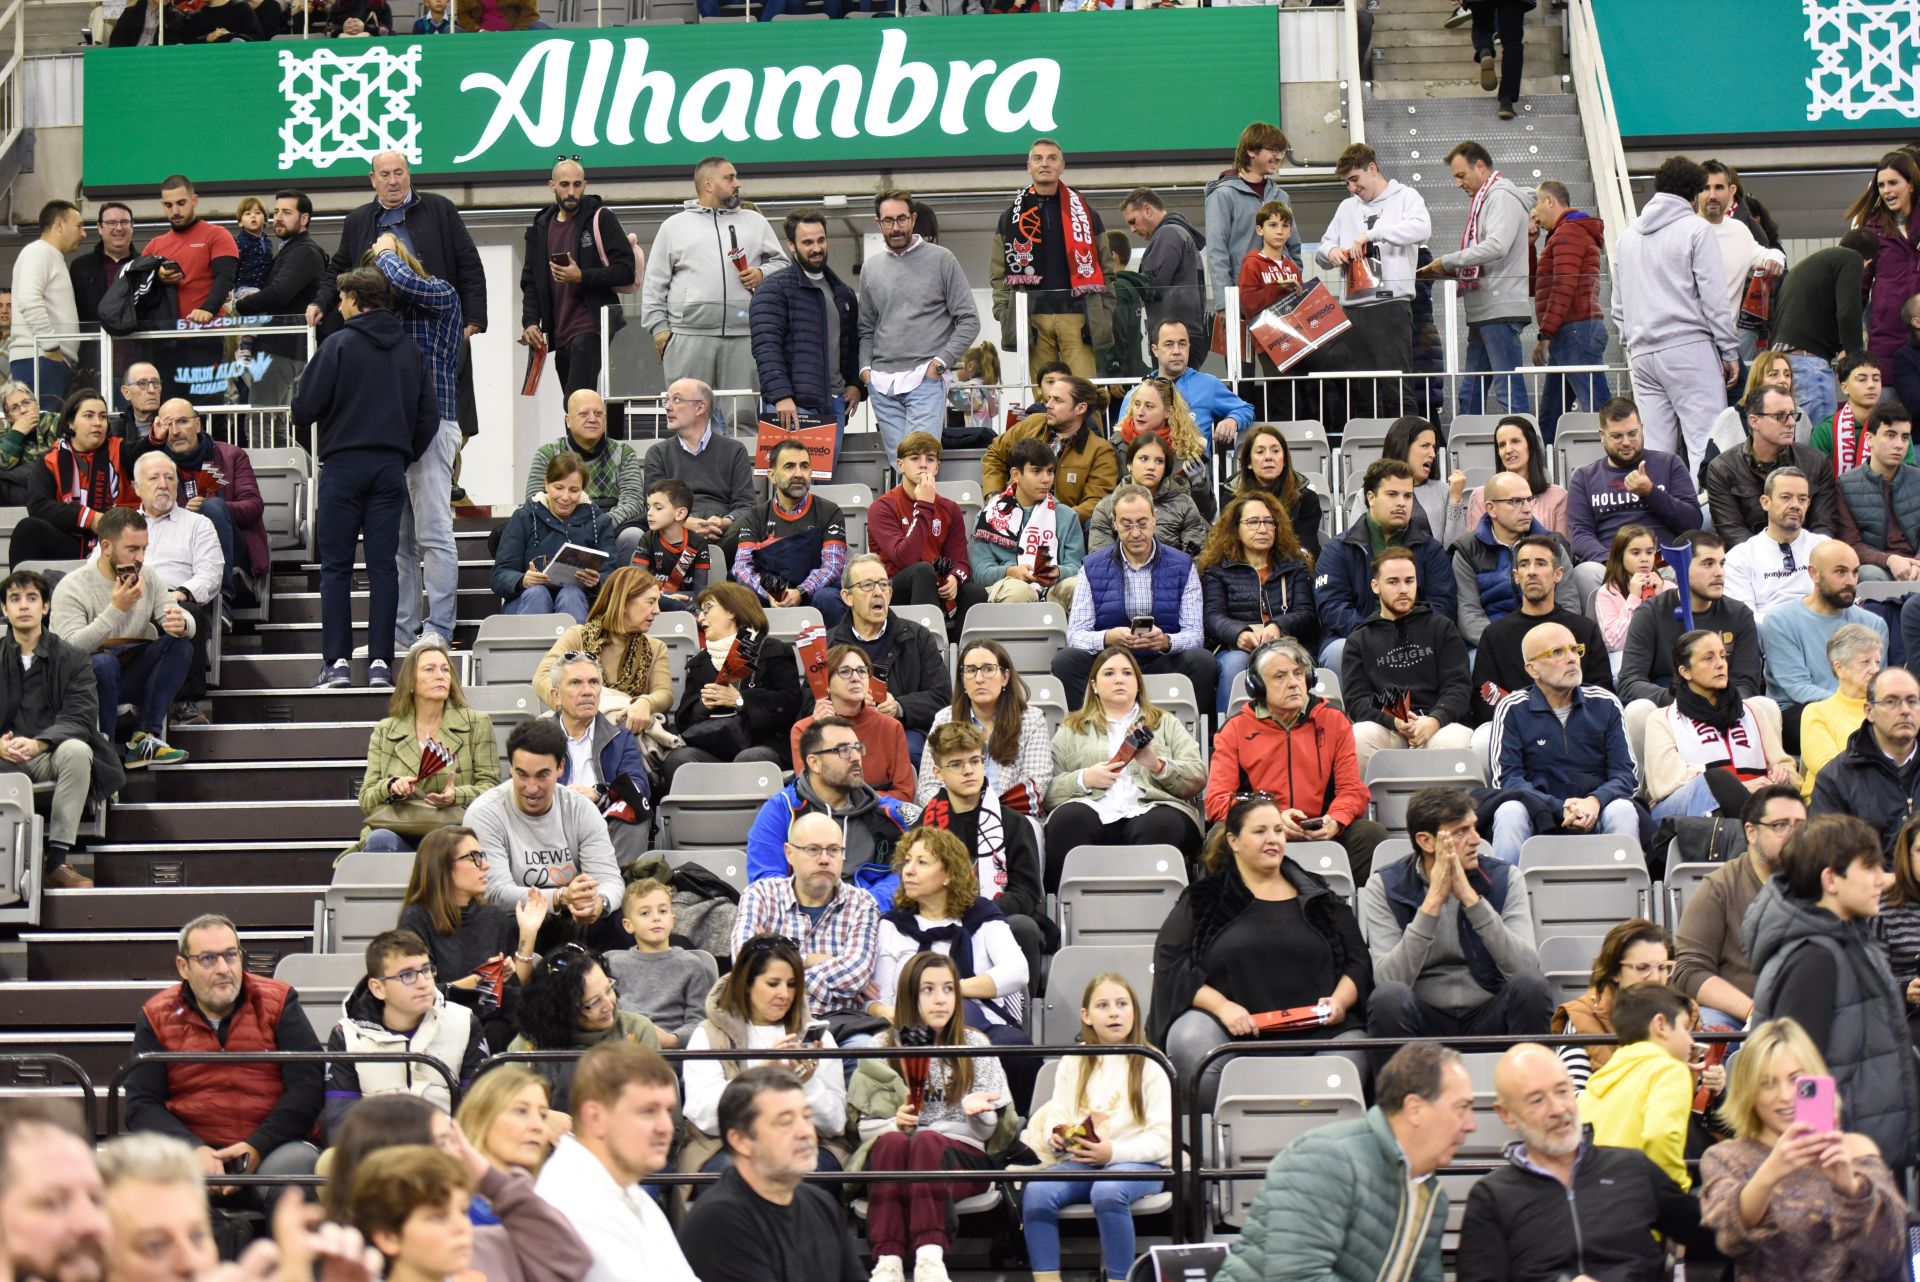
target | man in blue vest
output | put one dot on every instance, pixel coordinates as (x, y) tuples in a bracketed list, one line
[(1879, 515), (1139, 594)]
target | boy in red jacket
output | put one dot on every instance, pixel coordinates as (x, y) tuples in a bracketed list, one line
[(922, 535)]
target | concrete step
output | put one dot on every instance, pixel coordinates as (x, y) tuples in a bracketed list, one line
[(474, 573), (210, 783), (143, 907), (304, 638), (1461, 87), (225, 863), (141, 954), (257, 742), (281, 705), (169, 821), (471, 604), (75, 1004), (1402, 16), (1404, 62)]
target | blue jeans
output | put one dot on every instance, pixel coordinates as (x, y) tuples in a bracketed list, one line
[(1112, 1209), (544, 598), (1232, 664), (1693, 799), (924, 409), (388, 839), (215, 510), (1511, 827), (1577, 343), (54, 378), (827, 601), (1815, 389), (1494, 346), (150, 680), (363, 494), (426, 541)]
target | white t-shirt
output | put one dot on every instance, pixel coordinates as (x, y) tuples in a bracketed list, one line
[(1763, 574)]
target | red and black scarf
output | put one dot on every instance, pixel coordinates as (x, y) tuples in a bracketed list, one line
[(1023, 247)]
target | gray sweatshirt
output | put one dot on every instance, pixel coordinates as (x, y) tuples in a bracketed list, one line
[(83, 615), (1428, 955), (913, 307), (543, 850), (669, 988), (690, 287), (1669, 286), (1503, 291)]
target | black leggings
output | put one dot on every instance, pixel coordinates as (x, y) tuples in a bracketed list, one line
[(1079, 824)]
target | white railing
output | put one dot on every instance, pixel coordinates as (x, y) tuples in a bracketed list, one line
[(13, 111), (1599, 123)]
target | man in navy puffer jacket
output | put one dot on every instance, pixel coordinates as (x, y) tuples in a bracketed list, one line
[(806, 331), (1343, 583)]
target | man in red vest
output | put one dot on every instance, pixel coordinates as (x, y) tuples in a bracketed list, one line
[(241, 1118)]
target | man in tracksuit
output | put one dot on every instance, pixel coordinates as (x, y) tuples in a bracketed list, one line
[(1491, 268), (1670, 306)]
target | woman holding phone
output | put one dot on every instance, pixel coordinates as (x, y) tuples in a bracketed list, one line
[(1792, 1196)]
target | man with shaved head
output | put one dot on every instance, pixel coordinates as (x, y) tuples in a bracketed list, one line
[(1564, 1207), (1796, 633), (576, 258)]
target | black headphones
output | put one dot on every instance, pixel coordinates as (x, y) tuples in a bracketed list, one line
[(1256, 679)]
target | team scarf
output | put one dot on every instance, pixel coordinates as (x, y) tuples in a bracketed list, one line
[(990, 855), (1849, 443), (1469, 277), (1004, 525), (1736, 747), (1083, 260)]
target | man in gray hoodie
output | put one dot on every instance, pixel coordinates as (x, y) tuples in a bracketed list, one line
[(706, 262), (1172, 261), (1233, 200), (1670, 306), (1491, 267)]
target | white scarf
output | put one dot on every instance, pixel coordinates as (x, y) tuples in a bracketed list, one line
[(1701, 745), (1023, 532), (1849, 443), (1469, 277)]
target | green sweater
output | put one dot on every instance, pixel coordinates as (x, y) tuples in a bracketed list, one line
[(614, 479)]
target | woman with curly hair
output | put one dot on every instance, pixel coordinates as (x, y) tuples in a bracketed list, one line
[(570, 1002), (1258, 585), (1156, 408)]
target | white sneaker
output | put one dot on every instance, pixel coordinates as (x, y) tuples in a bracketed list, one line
[(1460, 17), (930, 1271), (888, 1268)]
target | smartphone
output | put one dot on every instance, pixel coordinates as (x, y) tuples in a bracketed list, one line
[(1813, 1102), (560, 260), (1143, 623), (1314, 825), (816, 1032), (235, 1165)]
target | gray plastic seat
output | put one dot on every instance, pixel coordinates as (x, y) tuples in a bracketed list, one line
[(1567, 962), (1264, 1104), (509, 647), (1394, 775), (324, 981), (1680, 882), (1117, 909), (1072, 969), (1327, 860), (1584, 885)]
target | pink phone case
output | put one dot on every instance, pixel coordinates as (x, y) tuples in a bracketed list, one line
[(1813, 1102)]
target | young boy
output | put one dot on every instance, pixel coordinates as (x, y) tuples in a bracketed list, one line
[(1843, 438), (1642, 1096), (397, 1007), (1006, 853), (1266, 274), (673, 554), (666, 984), (1009, 537), (436, 21), (411, 1203)]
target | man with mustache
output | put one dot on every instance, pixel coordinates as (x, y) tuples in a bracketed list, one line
[(577, 259)]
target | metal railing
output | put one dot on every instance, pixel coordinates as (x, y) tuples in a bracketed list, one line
[(81, 1078), (1599, 122)]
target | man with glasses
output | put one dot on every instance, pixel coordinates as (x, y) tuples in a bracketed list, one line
[(1629, 486), (913, 527), (1560, 756), (717, 468), (241, 1118), (94, 272), (216, 481), (1646, 665), (1500, 664), (1483, 559), (909, 658), (1735, 479), (792, 549), (140, 393), (832, 781), (1877, 776), (398, 1007), (917, 319), (835, 923), (1769, 569), (1710, 963), (604, 764)]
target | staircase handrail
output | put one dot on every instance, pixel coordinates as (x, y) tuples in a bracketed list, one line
[(1599, 122)]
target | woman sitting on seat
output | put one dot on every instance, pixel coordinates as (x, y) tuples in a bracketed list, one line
[(1258, 584), (570, 1002), (1708, 727), (535, 534), (741, 693), (1266, 466), (1129, 1103), (888, 766), (637, 684), (504, 1114), (1257, 935), (1518, 448), (1156, 408), (1441, 499), (1634, 952), (25, 438), (427, 708), (481, 952), (992, 697), (1854, 652), (1177, 522), (1145, 801)]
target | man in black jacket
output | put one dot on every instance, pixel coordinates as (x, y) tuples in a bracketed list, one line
[(1403, 673), (1500, 665), (909, 658), (368, 391), (93, 271), (1876, 777), (1565, 1206), (576, 257), (293, 280), (1734, 480), (50, 721), (805, 323), (1646, 666)]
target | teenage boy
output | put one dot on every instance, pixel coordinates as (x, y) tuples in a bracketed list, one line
[(1006, 854), (398, 1007), (1642, 1096), (913, 525), (1024, 541), (1843, 437), (670, 551), (667, 984)]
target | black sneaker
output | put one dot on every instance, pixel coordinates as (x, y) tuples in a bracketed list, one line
[(460, 498), (1460, 17)]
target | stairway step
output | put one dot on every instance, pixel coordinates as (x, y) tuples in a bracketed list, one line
[(1404, 16), (74, 1004), (471, 605), (134, 907), (237, 821), (145, 954), (304, 638), (213, 783), (299, 704), (257, 742), (1448, 87), (477, 573), (1407, 61), (228, 863)]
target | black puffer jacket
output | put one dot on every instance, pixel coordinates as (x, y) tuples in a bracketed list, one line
[(1234, 592), (1861, 781)]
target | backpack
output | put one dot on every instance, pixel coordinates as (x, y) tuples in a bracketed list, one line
[(138, 299), (639, 254)]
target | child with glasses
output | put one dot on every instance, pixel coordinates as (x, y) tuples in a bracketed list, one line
[(398, 1008)]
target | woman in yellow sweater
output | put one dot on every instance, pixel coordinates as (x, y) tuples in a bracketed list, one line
[(1854, 653)]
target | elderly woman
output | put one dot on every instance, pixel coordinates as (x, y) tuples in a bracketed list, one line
[(992, 698), (1258, 934), (1258, 585), (570, 1002), (1177, 522), (1634, 952), (637, 689), (1518, 448), (888, 765), (1266, 464), (1709, 727), (24, 440), (1854, 652), (427, 708), (742, 688), (1787, 1201), (1145, 800)]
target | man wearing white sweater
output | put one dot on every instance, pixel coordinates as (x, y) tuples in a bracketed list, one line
[(1385, 224), (43, 303)]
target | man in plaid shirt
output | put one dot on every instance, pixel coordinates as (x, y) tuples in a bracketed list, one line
[(835, 923)]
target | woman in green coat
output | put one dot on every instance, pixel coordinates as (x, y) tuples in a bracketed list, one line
[(427, 707)]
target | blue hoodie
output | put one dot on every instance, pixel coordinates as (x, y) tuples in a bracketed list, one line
[(367, 387), (1210, 400)]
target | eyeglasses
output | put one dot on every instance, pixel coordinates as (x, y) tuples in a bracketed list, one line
[(1647, 969), (1525, 500), (845, 751), (899, 220), (1578, 650), (822, 852), (1899, 703), (870, 585), (684, 400), (148, 384), (208, 960), (608, 998), (115, 222), (478, 858), (1259, 523), (848, 671), (410, 976), (1136, 527), (1781, 827), (980, 669), (1783, 416)]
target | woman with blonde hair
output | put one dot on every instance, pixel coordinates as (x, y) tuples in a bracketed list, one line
[(1787, 1200), (1156, 408), (504, 1115), (427, 715), (637, 687)]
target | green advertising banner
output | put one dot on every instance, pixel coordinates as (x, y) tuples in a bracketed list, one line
[(1778, 68), (641, 100)]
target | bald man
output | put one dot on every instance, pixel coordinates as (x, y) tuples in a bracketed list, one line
[(1560, 756), (1795, 635), (1565, 1207), (576, 260), (616, 481)]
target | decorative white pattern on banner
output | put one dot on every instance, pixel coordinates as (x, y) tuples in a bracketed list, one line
[(1863, 57), (349, 106)]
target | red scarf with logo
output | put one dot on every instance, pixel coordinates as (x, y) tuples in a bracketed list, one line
[(1022, 248)]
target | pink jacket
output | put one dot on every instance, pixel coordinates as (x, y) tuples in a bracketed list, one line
[(1616, 615)]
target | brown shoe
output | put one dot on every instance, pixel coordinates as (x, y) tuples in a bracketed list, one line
[(66, 877)]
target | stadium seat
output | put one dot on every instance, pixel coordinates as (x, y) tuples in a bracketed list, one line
[(285, 477), (1576, 443), (1240, 696), (9, 517), (506, 707), (1681, 881), (1072, 969), (323, 980), (1264, 1104), (364, 899), (1047, 694), (678, 631), (714, 805), (967, 493), (1117, 908), (1307, 445), (1326, 684), (854, 500), (1328, 861), (1493, 1135), (1360, 444), (22, 834), (1394, 775), (930, 617), (1884, 590), (1151, 1204), (508, 650), (1124, 861), (862, 459), (1584, 885), (1567, 962), (786, 621), (1173, 692), (727, 864), (1032, 633)]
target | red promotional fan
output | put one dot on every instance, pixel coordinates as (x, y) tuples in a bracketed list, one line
[(434, 757), (1137, 738), (1756, 305), (913, 1068), (493, 978), (740, 661), (810, 647), (1018, 799), (1293, 1017)]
